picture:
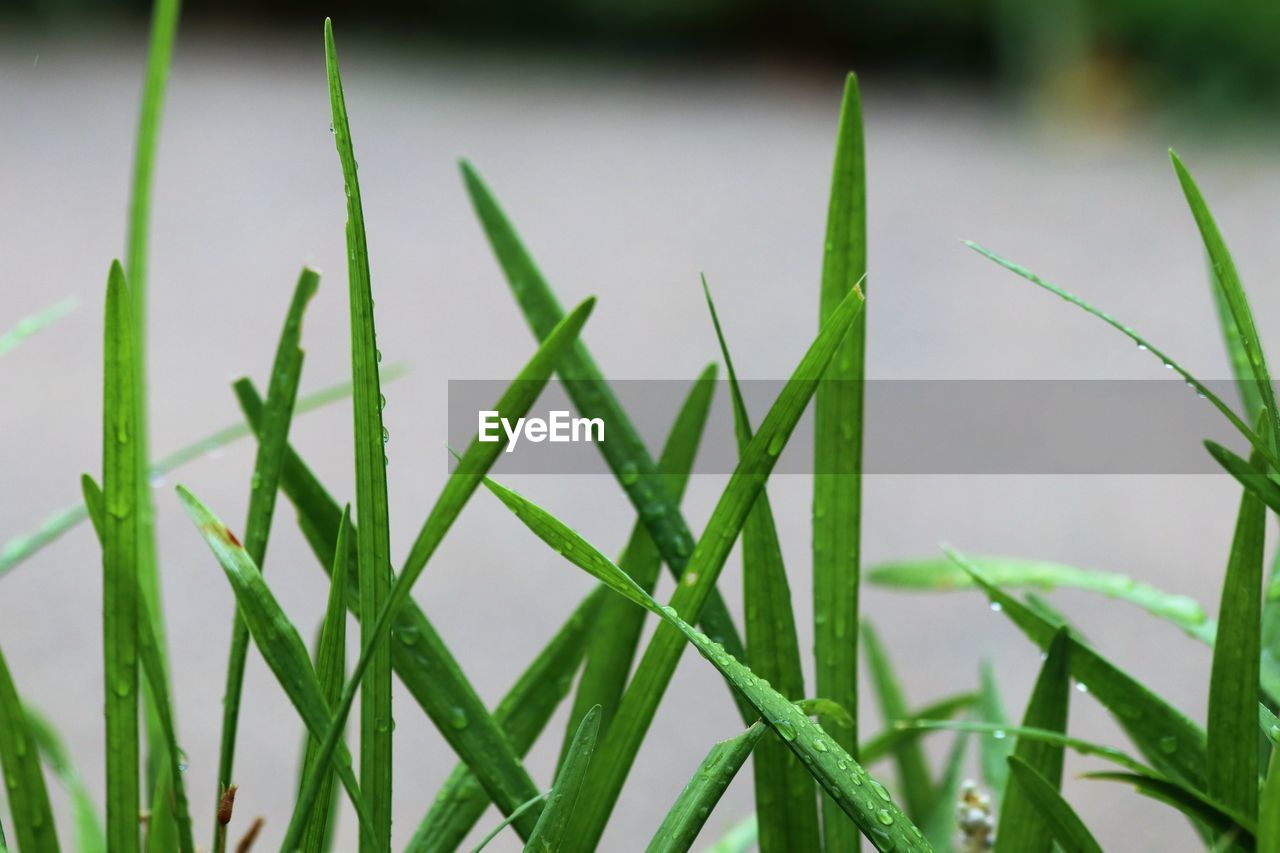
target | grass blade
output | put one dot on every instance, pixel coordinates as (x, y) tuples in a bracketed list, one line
[(33, 827), (740, 838), (700, 797), (993, 750), (1024, 828), (90, 837), (120, 567), (282, 393), (877, 816), (1226, 825), (624, 452), (611, 649), (786, 811), (522, 714), (886, 742), (549, 833), (940, 826), (279, 642), (622, 741), (28, 326), (508, 820), (331, 670), (837, 482), (941, 573), (373, 539), (913, 768), (1232, 754), (1269, 808), (1062, 823)]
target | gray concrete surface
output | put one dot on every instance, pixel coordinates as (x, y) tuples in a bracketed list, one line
[(627, 181)]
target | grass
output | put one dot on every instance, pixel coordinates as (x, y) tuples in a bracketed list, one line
[(819, 780)]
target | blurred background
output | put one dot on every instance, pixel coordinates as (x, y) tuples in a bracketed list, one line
[(635, 145)]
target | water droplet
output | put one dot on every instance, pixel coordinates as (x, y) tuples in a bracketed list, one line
[(785, 730), (377, 355), (1142, 346), (999, 734), (881, 791), (1169, 745), (776, 444), (386, 435), (629, 474), (1168, 366), (884, 817), (458, 718), (1082, 687), (820, 745), (382, 402), (255, 482), (996, 607), (156, 479)]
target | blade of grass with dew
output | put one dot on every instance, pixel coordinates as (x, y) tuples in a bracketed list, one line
[(90, 837), (786, 810), (1232, 752), (513, 784), (1170, 741), (914, 778), (624, 452), (522, 714), (837, 482), (282, 393), (623, 740), (28, 326), (1269, 808), (886, 742), (939, 573), (1255, 441), (1023, 828), (611, 648), (374, 535), (330, 663), (549, 833), (279, 642), (699, 798), (170, 811), (993, 748), (19, 548), (508, 820), (940, 825), (121, 581), (33, 827), (876, 816), (1063, 825)]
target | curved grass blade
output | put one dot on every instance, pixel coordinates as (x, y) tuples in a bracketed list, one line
[(508, 820), (1269, 808), (624, 452), (941, 573), (1223, 823), (1056, 815), (549, 834), (28, 326), (1250, 399), (611, 649), (522, 714), (121, 557), (1255, 441), (639, 704), (786, 814), (913, 769), (886, 742), (282, 393), (837, 482), (32, 826), (993, 750), (700, 797), (740, 838), (374, 535), (863, 799), (1023, 827), (280, 644), (90, 837)]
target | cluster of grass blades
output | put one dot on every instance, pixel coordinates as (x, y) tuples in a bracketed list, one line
[(812, 786)]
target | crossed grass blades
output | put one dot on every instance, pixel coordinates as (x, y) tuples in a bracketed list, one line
[(812, 786)]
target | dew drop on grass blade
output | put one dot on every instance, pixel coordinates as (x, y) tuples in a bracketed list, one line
[(549, 834), (786, 808), (1063, 824), (702, 794), (913, 769)]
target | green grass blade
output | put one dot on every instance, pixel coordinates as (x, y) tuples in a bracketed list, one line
[(508, 820), (331, 662), (277, 416), (837, 482), (1170, 741), (993, 750), (33, 827), (1250, 398), (120, 567), (700, 797), (611, 650), (941, 573), (28, 326), (940, 826), (462, 483), (1269, 808), (786, 811), (622, 741), (863, 799), (740, 838), (374, 535), (1234, 685), (549, 833), (279, 642), (625, 451), (522, 715), (887, 742), (913, 769), (90, 837), (1063, 825), (1023, 827), (1256, 442), (1232, 827)]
